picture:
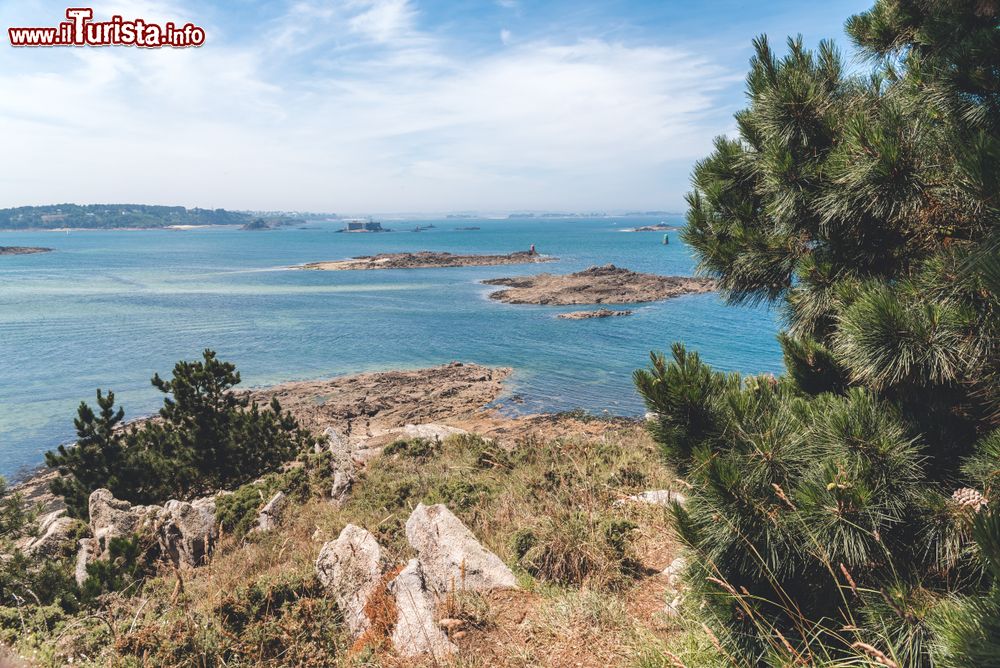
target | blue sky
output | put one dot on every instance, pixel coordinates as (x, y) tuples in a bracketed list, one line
[(388, 105)]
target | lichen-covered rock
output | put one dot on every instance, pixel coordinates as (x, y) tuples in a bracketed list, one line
[(56, 534), (182, 533), (115, 518), (450, 556), (415, 632), (350, 568), (270, 515), (86, 553), (187, 532)]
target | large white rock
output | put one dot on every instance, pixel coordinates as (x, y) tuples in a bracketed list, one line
[(55, 532), (350, 568), (450, 556), (86, 553), (187, 531), (270, 515), (115, 518), (415, 632), (431, 431)]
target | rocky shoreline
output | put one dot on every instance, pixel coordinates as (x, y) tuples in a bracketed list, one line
[(607, 284), (426, 260), (370, 410), (23, 250)]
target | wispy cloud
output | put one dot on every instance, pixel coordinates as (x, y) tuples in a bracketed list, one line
[(354, 105)]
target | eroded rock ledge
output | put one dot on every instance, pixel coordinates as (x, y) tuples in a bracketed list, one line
[(607, 284), (426, 260)]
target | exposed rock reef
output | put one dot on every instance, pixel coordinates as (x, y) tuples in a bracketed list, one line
[(599, 313), (353, 571), (371, 404), (426, 260), (654, 228), (607, 284), (23, 250)]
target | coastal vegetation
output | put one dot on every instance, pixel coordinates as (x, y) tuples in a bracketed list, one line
[(843, 514), (110, 216), (847, 512), (204, 438)]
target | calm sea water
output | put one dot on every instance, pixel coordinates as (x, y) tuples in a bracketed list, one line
[(108, 309)]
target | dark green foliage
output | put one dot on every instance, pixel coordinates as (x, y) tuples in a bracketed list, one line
[(679, 394), (206, 437), (30, 587), (122, 215), (14, 513), (420, 449), (968, 628), (123, 570), (97, 459), (842, 503)]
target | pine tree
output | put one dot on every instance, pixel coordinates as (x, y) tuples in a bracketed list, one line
[(836, 510), (206, 437), (95, 460)]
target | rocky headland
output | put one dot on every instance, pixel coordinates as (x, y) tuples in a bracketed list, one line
[(607, 284), (426, 260)]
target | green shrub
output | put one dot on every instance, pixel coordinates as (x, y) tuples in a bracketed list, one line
[(420, 449), (207, 437), (122, 570)]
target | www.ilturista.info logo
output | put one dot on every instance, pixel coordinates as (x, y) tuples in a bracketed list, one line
[(81, 30)]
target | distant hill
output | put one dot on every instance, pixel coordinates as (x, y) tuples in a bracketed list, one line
[(110, 216)]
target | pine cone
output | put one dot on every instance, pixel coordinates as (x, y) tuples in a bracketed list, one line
[(969, 498)]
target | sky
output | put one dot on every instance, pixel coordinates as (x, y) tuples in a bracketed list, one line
[(387, 106)]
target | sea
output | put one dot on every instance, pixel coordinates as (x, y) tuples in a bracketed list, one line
[(108, 309)]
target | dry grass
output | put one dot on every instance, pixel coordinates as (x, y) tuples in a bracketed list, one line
[(591, 585)]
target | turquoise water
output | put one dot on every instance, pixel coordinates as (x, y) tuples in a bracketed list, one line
[(108, 309)]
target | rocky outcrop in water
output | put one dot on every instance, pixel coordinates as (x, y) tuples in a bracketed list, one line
[(607, 284), (426, 260), (600, 313), (23, 250)]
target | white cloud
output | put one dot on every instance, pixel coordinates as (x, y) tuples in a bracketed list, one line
[(347, 106), (505, 36)]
